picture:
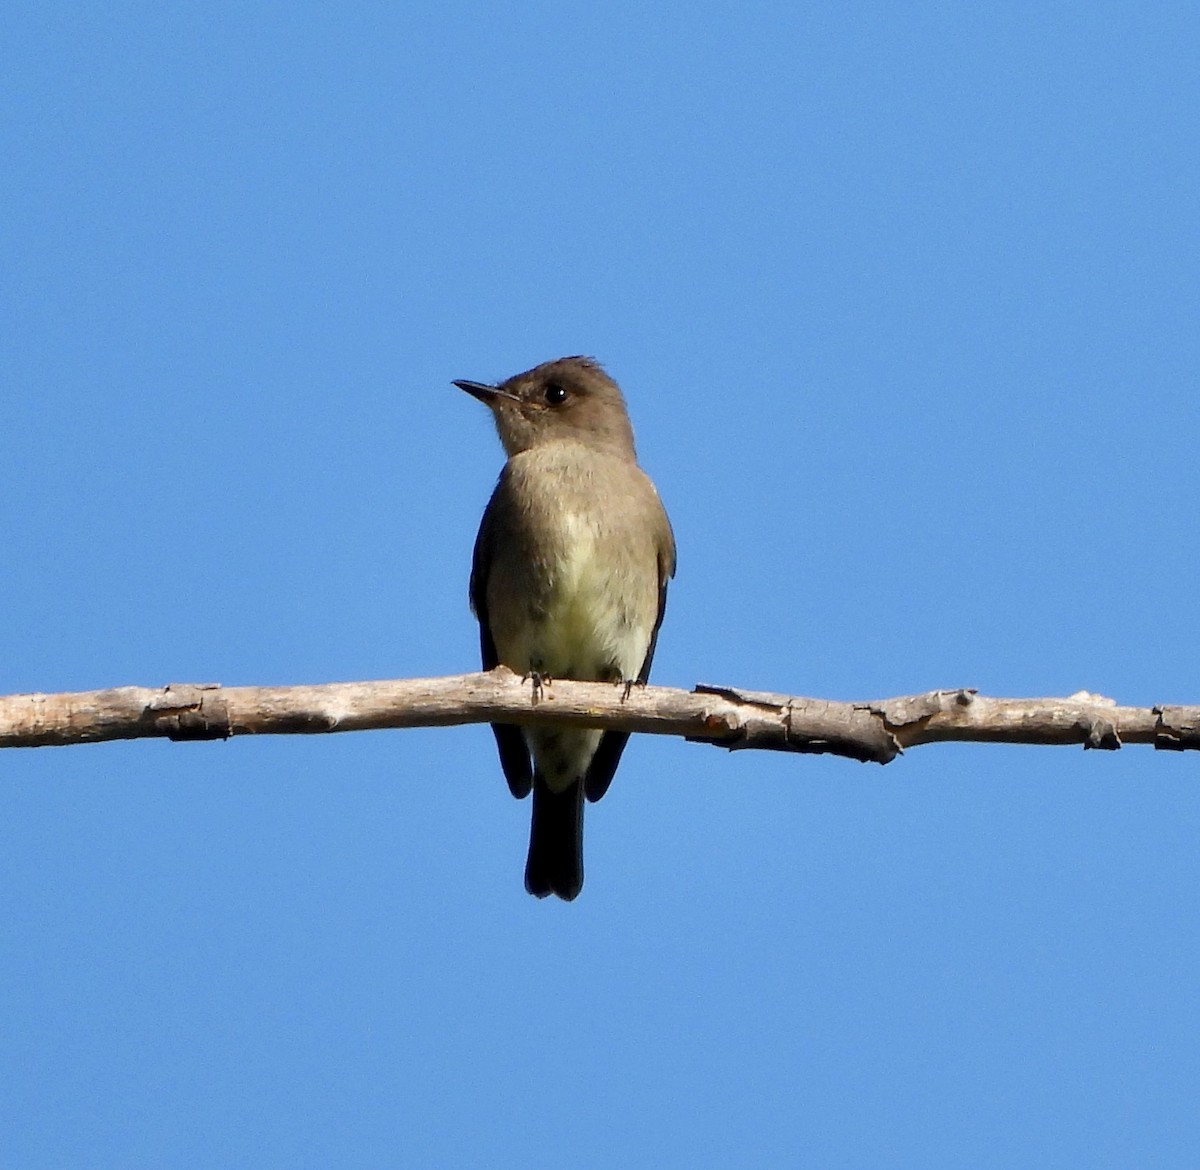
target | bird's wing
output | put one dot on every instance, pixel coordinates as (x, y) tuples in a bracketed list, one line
[(514, 754), (608, 754)]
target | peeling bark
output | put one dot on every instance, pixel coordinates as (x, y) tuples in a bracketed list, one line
[(726, 716)]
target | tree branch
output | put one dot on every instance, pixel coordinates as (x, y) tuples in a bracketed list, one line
[(725, 716)]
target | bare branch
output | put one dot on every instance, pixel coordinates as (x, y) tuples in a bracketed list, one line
[(725, 716)]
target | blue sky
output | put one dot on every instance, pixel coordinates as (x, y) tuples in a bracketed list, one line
[(904, 302)]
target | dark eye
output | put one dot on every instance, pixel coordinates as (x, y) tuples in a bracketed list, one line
[(555, 394)]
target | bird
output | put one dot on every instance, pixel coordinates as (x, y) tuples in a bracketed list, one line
[(568, 580)]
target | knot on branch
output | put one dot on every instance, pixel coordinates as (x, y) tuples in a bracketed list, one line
[(189, 712), (907, 717), (1099, 732), (1177, 729), (808, 726)]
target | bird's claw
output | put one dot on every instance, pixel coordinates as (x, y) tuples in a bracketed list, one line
[(539, 681)]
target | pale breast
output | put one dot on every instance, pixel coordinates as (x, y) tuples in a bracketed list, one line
[(574, 592)]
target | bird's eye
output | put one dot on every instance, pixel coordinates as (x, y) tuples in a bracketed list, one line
[(555, 394)]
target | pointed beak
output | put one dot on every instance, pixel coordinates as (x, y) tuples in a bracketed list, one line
[(485, 393)]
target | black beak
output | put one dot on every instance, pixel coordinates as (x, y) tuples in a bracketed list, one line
[(485, 393)]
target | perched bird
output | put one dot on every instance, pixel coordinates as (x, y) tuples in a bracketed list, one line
[(569, 580)]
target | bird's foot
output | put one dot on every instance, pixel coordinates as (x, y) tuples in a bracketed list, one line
[(539, 680), (627, 686)]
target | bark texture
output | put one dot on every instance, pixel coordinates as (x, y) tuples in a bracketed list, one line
[(729, 717)]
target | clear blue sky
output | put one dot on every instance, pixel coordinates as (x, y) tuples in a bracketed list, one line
[(904, 299)]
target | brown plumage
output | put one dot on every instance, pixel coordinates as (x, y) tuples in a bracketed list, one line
[(569, 580)]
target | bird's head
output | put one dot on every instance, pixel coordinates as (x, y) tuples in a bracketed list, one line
[(570, 399)]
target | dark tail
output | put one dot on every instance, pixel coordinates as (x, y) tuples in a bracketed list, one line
[(555, 864)]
